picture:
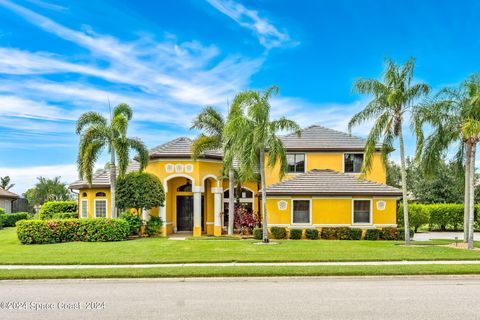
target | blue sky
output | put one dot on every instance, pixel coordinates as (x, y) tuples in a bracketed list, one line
[(168, 59)]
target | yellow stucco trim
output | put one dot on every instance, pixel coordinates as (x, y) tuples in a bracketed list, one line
[(217, 231), (197, 231)]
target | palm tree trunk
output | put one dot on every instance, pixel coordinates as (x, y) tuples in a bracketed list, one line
[(466, 202), (231, 200), (404, 187), (264, 195), (113, 183), (471, 190)]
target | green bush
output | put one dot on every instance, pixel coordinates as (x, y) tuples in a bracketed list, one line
[(49, 209), (445, 216), (2, 211), (134, 222), (153, 227), (388, 234), (311, 234), (343, 233), (278, 232), (329, 234), (258, 233), (355, 234), (56, 231), (65, 215), (418, 215), (296, 234), (9, 219), (372, 234)]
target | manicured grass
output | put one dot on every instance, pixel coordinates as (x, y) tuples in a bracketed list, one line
[(161, 250), (186, 272)]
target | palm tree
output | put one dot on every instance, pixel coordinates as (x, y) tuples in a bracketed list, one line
[(253, 137), (47, 189), (96, 134), (212, 123), (5, 183), (454, 118), (393, 97)]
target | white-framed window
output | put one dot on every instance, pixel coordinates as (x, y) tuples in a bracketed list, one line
[(296, 162), (246, 198), (84, 208), (352, 162), (301, 211), (362, 211), (100, 208)]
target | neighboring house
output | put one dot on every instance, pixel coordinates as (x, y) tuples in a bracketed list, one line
[(322, 188), (6, 200)]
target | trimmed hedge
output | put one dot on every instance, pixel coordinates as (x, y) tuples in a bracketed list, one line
[(278, 232), (311, 234), (372, 234), (9, 219), (134, 221), (2, 211), (50, 208), (65, 215), (258, 233), (328, 233), (153, 227), (341, 233), (296, 234), (87, 230)]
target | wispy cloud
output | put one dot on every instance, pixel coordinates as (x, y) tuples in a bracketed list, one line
[(268, 35)]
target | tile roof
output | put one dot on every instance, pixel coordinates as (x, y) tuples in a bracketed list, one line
[(7, 194), (320, 138), (330, 183), (180, 148), (101, 178)]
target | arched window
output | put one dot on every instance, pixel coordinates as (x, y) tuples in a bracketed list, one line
[(244, 193), (100, 194), (246, 199), (186, 187)]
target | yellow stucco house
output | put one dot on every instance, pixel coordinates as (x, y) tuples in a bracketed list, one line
[(321, 189)]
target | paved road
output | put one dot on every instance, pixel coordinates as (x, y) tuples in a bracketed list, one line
[(425, 236), (276, 298)]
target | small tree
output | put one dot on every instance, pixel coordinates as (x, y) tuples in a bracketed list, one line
[(139, 190)]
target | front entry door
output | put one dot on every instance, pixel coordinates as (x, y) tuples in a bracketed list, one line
[(184, 213)]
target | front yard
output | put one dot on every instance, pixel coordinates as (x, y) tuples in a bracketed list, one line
[(161, 250)]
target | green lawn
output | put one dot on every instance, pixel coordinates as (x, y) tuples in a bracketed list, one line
[(161, 250)]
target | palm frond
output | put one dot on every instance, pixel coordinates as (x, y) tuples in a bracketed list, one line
[(90, 118), (124, 110)]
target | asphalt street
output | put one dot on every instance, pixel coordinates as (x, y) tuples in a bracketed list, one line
[(448, 297)]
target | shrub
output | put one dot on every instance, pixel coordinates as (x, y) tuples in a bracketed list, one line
[(296, 234), (65, 215), (2, 211), (343, 233), (278, 232), (372, 234), (55, 231), (329, 233), (153, 226), (388, 234), (9, 219), (445, 216), (244, 219), (355, 234), (50, 208), (401, 233), (258, 233), (311, 234), (134, 222), (418, 215)]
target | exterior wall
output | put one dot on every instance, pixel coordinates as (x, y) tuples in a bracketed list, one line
[(91, 201), (331, 212), (6, 203), (333, 161)]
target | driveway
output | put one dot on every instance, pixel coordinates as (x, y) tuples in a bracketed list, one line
[(271, 298), (424, 236)]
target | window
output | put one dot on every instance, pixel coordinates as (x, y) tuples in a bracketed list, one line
[(353, 162), (361, 211), (186, 187), (301, 211), (84, 209), (100, 208), (100, 194), (296, 162)]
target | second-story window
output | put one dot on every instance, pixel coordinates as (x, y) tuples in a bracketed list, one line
[(296, 162), (353, 162)]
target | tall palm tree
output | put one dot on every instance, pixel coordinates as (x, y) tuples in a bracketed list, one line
[(392, 97), (253, 137), (5, 183), (454, 118), (97, 134), (212, 123)]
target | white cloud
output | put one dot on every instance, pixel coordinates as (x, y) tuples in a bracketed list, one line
[(268, 35), (26, 177)]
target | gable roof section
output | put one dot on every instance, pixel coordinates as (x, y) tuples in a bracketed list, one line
[(330, 183), (180, 148), (318, 138), (101, 178), (8, 194)]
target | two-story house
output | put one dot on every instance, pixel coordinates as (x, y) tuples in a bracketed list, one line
[(322, 188)]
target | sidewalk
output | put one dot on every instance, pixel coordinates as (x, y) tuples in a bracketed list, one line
[(425, 236), (241, 264)]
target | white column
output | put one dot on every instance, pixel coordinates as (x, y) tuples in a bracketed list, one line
[(197, 211), (217, 210), (162, 214), (146, 214)]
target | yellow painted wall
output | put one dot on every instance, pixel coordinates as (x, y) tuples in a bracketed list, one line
[(91, 198), (331, 211), (333, 161)]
